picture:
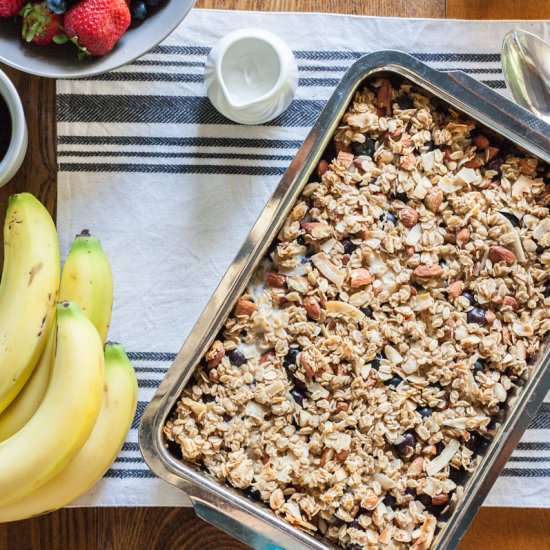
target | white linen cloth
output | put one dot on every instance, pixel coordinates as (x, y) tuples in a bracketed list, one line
[(172, 189)]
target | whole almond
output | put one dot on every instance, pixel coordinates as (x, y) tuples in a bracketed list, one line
[(275, 279), (510, 301), (215, 354), (245, 307), (360, 277), (501, 254), (428, 271), (341, 406), (474, 163), (441, 498), (455, 289), (383, 96), (325, 456), (408, 216), (305, 364), (322, 167), (481, 142), (313, 309), (342, 455), (463, 236), (433, 199)]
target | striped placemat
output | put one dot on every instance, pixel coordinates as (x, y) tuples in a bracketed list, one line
[(172, 188)]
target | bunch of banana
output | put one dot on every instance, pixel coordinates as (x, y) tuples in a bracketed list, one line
[(67, 404)]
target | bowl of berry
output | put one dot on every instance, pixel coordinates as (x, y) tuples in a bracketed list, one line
[(79, 38)]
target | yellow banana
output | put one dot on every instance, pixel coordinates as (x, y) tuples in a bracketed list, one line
[(28, 291), (27, 402), (89, 465), (63, 422), (87, 280)]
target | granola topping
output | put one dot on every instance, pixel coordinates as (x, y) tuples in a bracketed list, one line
[(368, 364)]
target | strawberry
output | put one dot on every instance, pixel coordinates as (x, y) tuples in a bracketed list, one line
[(41, 26), (9, 8), (97, 25)]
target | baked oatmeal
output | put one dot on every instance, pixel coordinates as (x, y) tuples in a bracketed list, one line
[(374, 353)]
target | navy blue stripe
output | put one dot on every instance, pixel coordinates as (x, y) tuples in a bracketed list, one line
[(141, 405), (161, 370), (129, 460), (533, 446), (146, 154), (181, 50), (125, 474), (146, 383), (151, 356), (128, 446), (529, 459), (229, 170), (181, 141), (153, 62), (167, 109), (527, 472)]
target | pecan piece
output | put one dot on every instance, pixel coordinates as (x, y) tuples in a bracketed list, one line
[(345, 159), (313, 309), (408, 216), (481, 142), (510, 301), (383, 96), (322, 167), (428, 271), (245, 307), (215, 354), (501, 254)]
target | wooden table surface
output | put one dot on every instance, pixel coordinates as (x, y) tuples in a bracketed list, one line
[(168, 528)]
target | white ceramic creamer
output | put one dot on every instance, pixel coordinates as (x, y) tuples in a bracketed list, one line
[(251, 76)]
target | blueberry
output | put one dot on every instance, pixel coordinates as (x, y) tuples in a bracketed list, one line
[(252, 494), (394, 381), (475, 442), (406, 444), (236, 357), (479, 366), (367, 310), (439, 447), (330, 152), (540, 249), (405, 102), (301, 240), (442, 263), (410, 491), (513, 219), (375, 363), (430, 145), (425, 412), (389, 217), (390, 500), (476, 315), (363, 149), (139, 11), (401, 196), (298, 396), (208, 398), (226, 417), (349, 247), (291, 357), (547, 290), (59, 6), (425, 499), (469, 296), (457, 474), (495, 164)]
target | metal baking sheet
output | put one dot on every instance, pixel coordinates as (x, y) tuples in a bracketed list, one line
[(255, 524)]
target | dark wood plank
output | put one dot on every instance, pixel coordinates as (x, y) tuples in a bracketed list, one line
[(168, 528)]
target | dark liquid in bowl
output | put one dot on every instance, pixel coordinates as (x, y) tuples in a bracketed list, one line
[(5, 128)]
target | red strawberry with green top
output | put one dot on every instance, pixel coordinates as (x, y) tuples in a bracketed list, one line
[(97, 25), (41, 26), (9, 8)]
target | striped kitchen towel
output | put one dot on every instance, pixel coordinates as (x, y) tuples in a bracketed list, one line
[(172, 188)]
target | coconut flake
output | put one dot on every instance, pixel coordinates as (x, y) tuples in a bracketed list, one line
[(393, 355), (336, 306), (439, 462), (327, 245), (422, 302), (414, 235), (522, 186), (322, 262), (449, 185), (255, 410), (542, 228), (467, 175)]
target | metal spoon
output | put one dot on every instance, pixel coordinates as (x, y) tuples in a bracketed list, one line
[(526, 65)]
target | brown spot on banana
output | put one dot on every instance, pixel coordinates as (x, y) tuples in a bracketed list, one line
[(34, 270)]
